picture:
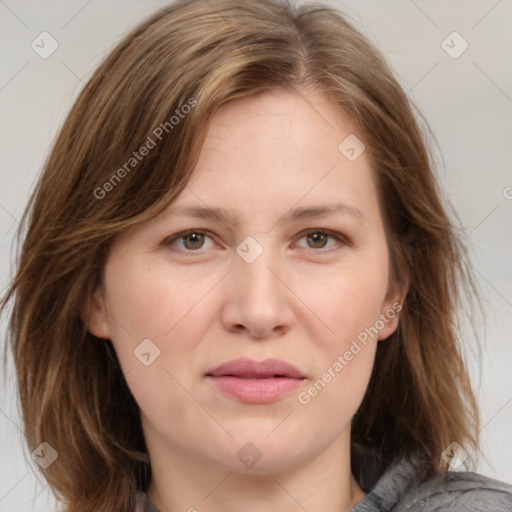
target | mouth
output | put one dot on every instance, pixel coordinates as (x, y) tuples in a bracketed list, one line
[(249, 369), (256, 382)]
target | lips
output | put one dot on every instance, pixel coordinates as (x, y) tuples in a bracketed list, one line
[(255, 382), (249, 369)]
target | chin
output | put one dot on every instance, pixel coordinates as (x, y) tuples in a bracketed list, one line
[(257, 454)]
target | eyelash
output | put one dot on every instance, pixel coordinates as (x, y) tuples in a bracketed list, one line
[(332, 234)]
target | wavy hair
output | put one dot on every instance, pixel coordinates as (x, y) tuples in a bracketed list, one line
[(203, 54)]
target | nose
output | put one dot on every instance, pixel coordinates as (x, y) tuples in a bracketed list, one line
[(258, 300)]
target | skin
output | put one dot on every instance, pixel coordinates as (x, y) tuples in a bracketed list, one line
[(303, 300)]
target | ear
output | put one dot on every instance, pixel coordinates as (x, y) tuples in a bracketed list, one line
[(399, 280), (391, 307), (95, 315)]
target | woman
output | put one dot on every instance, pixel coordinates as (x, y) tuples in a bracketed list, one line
[(239, 283)]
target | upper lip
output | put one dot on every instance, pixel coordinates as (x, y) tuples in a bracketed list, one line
[(248, 368)]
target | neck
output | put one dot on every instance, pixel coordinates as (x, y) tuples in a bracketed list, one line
[(186, 481)]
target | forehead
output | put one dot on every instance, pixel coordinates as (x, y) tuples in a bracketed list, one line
[(301, 120), (279, 144), (270, 162), (275, 157)]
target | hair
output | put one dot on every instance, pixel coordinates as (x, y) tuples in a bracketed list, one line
[(73, 394)]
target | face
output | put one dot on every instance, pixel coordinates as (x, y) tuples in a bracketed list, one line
[(250, 310)]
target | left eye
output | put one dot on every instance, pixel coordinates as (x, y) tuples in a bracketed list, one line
[(194, 240), (317, 238)]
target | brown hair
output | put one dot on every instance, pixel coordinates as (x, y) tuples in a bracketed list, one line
[(203, 54)]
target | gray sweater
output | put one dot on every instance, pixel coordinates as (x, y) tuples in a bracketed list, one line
[(398, 489)]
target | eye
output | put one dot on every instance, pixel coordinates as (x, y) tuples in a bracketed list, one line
[(191, 240), (318, 239), (194, 240)]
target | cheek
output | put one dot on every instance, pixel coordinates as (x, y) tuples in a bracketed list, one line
[(330, 402), (351, 308), (147, 302), (346, 301)]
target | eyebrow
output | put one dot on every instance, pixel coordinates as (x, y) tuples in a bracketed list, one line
[(294, 215)]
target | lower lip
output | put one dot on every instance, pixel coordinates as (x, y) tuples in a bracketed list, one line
[(256, 391)]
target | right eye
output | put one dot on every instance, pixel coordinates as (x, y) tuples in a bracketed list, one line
[(189, 241)]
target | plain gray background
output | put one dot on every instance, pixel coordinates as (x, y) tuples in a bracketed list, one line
[(467, 101)]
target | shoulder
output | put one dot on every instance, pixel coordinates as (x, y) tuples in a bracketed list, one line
[(458, 491), (404, 487)]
